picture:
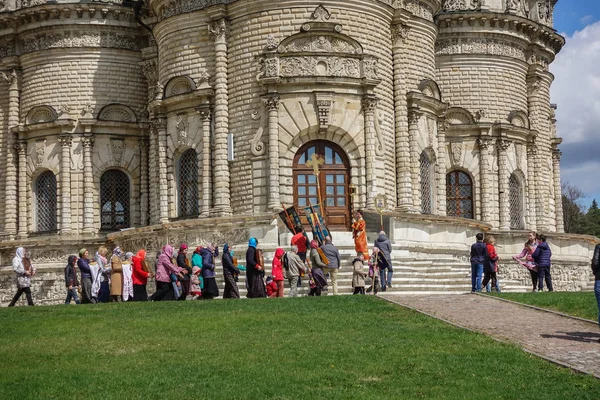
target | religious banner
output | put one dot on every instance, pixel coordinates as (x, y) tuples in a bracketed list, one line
[(317, 223), (290, 218)]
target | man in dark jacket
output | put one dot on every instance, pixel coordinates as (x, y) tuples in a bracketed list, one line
[(385, 247), (541, 256), (333, 256), (478, 256), (596, 271)]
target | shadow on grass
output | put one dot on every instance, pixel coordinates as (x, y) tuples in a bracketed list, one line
[(585, 337)]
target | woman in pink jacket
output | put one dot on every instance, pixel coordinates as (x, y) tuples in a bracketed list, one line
[(164, 267), (528, 250), (277, 271)]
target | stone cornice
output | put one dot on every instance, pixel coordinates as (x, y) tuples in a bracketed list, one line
[(505, 23)]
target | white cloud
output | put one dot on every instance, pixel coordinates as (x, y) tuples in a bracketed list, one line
[(587, 19)]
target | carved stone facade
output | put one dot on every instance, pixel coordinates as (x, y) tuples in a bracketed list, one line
[(239, 87)]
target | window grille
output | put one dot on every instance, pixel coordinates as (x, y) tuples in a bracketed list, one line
[(188, 184), (114, 200), (45, 193), (426, 181), (515, 203), (459, 195)]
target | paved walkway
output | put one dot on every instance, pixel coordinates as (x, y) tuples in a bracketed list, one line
[(560, 339)]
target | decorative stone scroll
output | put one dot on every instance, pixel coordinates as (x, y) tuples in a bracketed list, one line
[(40, 151), (479, 46), (321, 14), (455, 152), (118, 113), (320, 66), (180, 85), (320, 44), (257, 147), (182, 128), (40, 114)]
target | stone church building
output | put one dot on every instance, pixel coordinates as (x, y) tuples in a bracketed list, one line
[(117, 116)]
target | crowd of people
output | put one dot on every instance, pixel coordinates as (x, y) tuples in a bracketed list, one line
[(535, 257), (122, 276)]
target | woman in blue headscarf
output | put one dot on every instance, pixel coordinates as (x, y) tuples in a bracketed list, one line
[(254, 272)]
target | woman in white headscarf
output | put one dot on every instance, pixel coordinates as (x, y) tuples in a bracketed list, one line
[(24, 271)]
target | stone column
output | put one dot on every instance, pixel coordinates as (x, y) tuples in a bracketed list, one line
[(144, 195), (65, 183), (531, 189), (560, 222), (222, 201), (440, 167), (271, 102), (10, 191), (23, 188), (503, 188), (403, 169), (87, 142), (484, 181), (369, 104), (204, 113), (413, 132), (163, 186), (153, 174)]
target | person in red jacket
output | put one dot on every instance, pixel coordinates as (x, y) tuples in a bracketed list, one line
[(277, 272), (140, 276), (300, 240), (271, 287), (490, 265)]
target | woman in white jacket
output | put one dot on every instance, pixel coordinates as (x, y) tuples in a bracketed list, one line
[(24, 271)]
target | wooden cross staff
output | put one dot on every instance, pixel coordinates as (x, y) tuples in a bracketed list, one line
[(315, 162)]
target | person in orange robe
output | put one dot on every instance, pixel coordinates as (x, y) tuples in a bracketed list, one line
[(359, 234)]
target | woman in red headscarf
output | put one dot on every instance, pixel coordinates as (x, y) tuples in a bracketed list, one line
[(140, 275)]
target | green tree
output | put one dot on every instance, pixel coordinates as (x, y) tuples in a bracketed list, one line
[(574, 217), (591, 222)]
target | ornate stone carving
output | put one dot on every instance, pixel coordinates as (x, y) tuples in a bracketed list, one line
[(545, 9), (180, 85), (272, 43), (414, 116), (321, 14), (159, 91), (320, 44), (532, 150), (503, 144), (182, 6), (320, 66), (556, 155), (182, 128), (117, 112), (461, 5), (204, 112), (87, 38), (369, 103), (479, 115), (117, 148), (430, 131), (219, 29), (400, 32), (40, 114), (484, 144), (65, 140), (456, 152), (159, 124), (257, 147), (271, 101), (419, 8), (380, 148), (370, 68), (87, 141), (489, 46), (40, 151), (148, 68)]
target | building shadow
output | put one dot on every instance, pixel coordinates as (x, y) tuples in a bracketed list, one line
[(585, 337)]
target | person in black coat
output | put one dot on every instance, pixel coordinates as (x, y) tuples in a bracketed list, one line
[(182, 262), (230, 271), (542, 256), (71, 281), (254, 272)]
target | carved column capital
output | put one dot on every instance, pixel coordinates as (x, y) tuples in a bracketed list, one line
[(21, 147), (532, 150), (414, 116), (484, 143), (503, 144), (219, 29), (556, 155), (204, 112), (87, 141), (65, 140), (369, 103), (159, 123), (400, 32), (271, 101)]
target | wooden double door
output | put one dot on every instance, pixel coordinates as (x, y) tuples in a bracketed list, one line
[(333, 181)]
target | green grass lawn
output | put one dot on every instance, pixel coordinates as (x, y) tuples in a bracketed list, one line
[(347, 347), (579, 304)]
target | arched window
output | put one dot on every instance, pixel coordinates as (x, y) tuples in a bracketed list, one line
[(459, 195), (188, 184), (516, 202), (426, 184), (114, 200), (45, 197)]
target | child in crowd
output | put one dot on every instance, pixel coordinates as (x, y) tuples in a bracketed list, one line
[(196, 283), (71, 280), (358, 274), (271, 287)]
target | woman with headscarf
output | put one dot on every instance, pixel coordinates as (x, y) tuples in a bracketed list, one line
[(186, 269), (127, 277), (116, 284), (140, 276), (277, 272), (104, 270), (164, 268), (71, 281), (254, 272), (210, 290), (24, 273), (86, 276), (317, 264), (229, 272)]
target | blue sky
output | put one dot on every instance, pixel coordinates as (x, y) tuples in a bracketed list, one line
[(576, 91)]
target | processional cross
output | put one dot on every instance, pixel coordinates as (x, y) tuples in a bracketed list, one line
[(315, 162)]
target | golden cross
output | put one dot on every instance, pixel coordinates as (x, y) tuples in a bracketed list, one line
[(315, 162)]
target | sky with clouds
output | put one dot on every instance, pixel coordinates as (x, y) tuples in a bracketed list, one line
[(576, 90)]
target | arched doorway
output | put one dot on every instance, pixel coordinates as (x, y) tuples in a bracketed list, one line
[(334, 181), (114, 200)]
